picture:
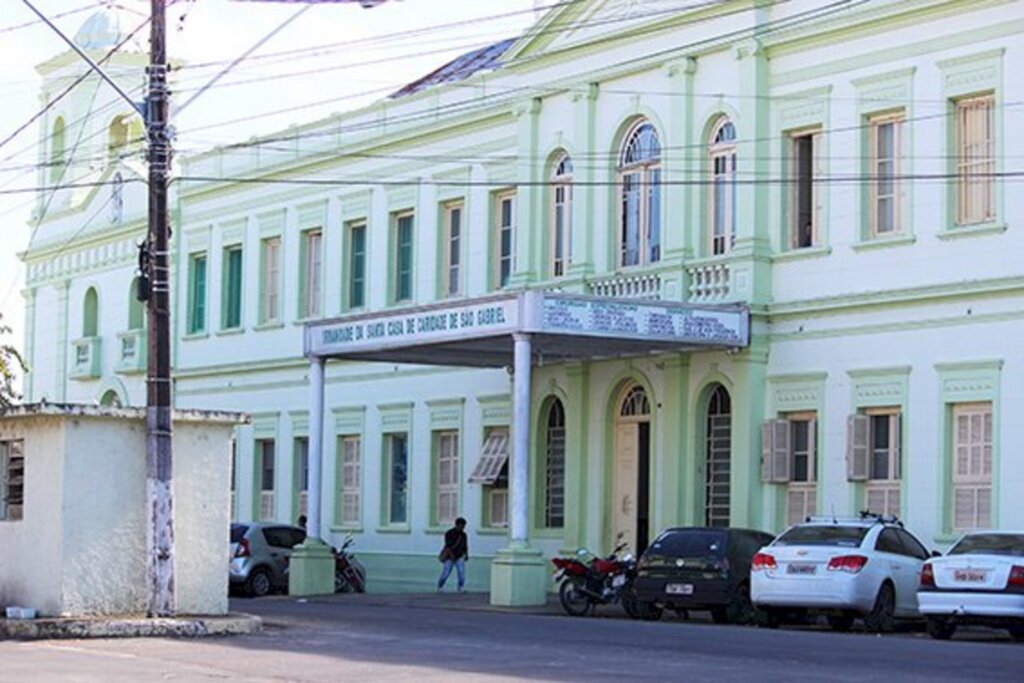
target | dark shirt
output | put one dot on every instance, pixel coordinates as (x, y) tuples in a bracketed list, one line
[(456, 543)]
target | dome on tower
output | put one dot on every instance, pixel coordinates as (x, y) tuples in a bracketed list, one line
[(104, 29)]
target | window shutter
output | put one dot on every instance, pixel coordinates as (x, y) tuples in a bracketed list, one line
[(767, 450), (782, 452), (812, 453), (896, 446), (817, 187), (858, 447)]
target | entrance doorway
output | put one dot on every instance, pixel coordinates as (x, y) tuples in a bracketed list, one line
[(717, 458), (631, 470)]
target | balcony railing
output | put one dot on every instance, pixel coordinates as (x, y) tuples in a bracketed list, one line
[(131, 351), (641, 286), (87, 358), (709, 282)]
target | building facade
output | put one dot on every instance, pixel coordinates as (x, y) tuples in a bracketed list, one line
[(844, 171)]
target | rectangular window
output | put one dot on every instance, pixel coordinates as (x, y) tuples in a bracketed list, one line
[(301, 476), (351, 457), (884, 134), (397, 473), (197, 293), (975, 160), (804, 204), (802, 493), (403, 257), (12, 480), (452, 250), (232, 267), (357, 265), (882, 491), (270, 304), (972, 466), (504, 238), (447, 473), (265, 471), (312, 288)]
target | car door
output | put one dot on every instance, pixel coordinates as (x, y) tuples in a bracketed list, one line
[(890, 549), (916, 554)]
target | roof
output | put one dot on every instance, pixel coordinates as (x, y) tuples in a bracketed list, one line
[(82, 410), (460, 68)]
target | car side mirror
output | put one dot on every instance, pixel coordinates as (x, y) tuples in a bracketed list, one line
[(936, 553)]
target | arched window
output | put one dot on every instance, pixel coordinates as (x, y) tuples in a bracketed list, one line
[(117, 136), (554, 489), (135, 309), (110, 399), (635, 403), (722, 163), (640, 182), (561, 216), (90, 313), (57, 149)]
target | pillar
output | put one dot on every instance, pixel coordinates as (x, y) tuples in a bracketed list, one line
[(518, 572), (311, 570), (577, 419)]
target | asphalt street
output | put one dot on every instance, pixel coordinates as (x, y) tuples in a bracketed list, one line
[(345, 638)]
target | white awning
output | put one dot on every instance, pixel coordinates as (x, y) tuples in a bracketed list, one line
[(492, 459)]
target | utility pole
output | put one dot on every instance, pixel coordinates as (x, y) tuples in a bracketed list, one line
[(159, 481)]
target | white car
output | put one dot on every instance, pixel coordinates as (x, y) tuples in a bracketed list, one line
[(867, 568), (979, 581)]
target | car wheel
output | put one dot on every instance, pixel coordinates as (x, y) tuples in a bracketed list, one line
[(1016, 630), (739, 610), (648, 611), (574, 601), (882, 617), (841, 623), (771, 619), (258, 584), (940, 628)]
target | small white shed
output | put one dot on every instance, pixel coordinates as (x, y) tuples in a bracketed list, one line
[(73, 509)]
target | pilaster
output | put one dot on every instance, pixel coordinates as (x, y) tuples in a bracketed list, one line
[(30, 295), (529, 196), (584, 192), (670, 472), (576, 464), (63, 348), (748, 406), (679, 162)]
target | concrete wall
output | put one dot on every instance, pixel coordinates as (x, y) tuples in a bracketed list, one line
[(80, 548)]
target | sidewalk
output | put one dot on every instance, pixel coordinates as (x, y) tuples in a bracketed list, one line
[(470, 602)]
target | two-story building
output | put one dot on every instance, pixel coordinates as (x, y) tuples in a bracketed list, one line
[(785, 234)]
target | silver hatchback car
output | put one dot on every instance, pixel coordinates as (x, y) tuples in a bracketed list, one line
[(260, 553)]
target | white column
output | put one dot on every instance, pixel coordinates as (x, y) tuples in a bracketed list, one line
[(316, 444), (520, 439)]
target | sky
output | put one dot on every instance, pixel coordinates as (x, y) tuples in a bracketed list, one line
[(338, 57)]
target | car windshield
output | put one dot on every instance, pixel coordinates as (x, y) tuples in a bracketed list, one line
[(238, 532), (990, 544), (843, 536), (689, 543)]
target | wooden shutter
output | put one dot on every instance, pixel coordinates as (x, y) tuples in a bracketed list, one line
[(776, 452), (858, 447), (896, 446), (817, 187)]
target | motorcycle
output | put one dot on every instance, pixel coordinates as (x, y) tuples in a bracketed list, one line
[(588, 580), (349, 573)]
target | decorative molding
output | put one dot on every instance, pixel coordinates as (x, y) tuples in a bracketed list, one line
[(804, 109), (233, 232), (890, 90), (356, 206), (271, 222), (313, 214), (300, 422), (395, 417), (402, 197), (880, 386), (495, 411), (972, 73), (349, 420), (446, 413), (264, 425), (969, 380)]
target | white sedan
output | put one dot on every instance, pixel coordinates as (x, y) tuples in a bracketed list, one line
[(979, 581), (845, 569)]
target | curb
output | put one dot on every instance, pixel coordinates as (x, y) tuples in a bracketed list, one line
[(130, 627)]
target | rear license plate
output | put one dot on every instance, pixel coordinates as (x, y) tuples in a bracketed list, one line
[(969, 575), (679, 588), (801, 569)]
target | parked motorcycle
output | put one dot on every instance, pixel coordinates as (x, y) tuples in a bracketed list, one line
[(349, 573), (588, 580)]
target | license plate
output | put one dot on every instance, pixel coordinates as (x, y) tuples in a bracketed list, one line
[(969, 575), (801, 569), (679, 588)]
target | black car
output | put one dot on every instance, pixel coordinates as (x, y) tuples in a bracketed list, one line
[(699, 568)]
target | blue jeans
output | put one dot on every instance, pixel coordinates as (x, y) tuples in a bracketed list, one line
[(460, 568)]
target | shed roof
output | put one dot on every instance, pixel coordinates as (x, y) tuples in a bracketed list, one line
[(459, 69)]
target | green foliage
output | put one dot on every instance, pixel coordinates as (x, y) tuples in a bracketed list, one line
[(10, 360)]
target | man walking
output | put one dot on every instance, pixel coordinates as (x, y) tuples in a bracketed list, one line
[(454, 554)]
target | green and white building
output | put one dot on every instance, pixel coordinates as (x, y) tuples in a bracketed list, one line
[(759, 260)]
